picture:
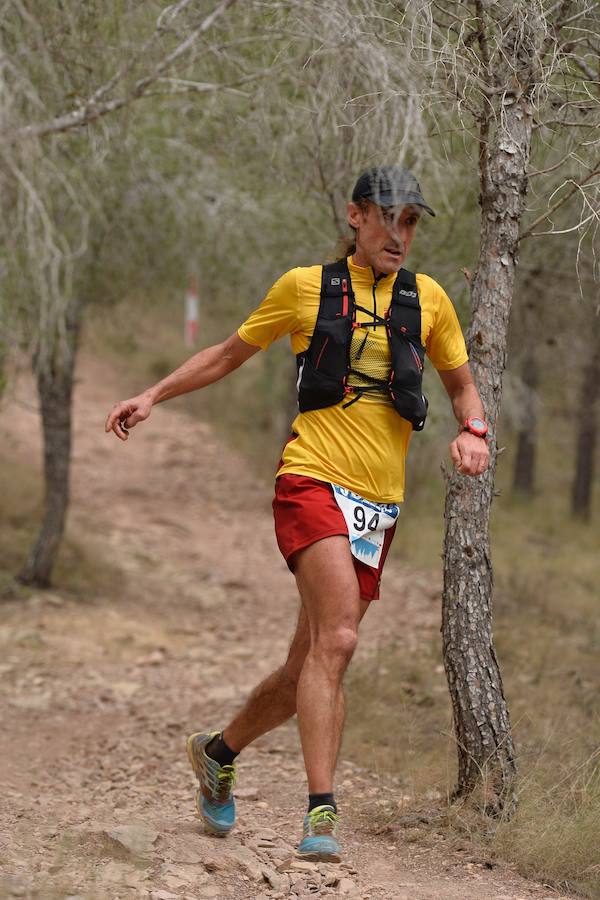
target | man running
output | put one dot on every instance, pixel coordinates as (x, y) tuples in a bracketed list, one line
[(360, 329)]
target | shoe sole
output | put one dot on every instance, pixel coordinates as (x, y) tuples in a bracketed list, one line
[(208, 824), (319, 857), (218, 832)]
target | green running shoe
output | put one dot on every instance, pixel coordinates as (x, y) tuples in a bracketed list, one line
[(319, 843), (214, 798)]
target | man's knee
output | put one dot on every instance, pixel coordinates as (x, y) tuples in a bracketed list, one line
[(336, 645)]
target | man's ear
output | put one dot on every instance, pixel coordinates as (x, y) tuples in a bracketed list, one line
[(355, 214)]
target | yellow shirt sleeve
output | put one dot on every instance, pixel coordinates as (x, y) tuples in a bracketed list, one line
[(277, 315), (445, 343)]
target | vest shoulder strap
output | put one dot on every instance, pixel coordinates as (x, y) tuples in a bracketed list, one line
[(405, 290), (337, 296), (405, 309)]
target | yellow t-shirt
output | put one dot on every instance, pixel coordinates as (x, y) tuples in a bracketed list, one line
[(363, 447)]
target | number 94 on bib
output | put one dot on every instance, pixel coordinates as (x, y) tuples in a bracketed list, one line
[(366, 522)]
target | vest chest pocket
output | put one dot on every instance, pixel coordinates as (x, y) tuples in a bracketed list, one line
[(408, 361), (319, 368), (328, 355)]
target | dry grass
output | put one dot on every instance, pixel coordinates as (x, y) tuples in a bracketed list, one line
[(554, 835), (400, 721), (78, 573), (547, 635)]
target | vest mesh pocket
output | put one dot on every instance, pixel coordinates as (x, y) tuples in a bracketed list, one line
[(370, 362)]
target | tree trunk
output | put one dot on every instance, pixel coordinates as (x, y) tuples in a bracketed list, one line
[(486, 753), (524, 471), (587, 433), (55, 391)]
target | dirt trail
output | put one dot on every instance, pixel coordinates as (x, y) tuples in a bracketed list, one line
[(97, 697)]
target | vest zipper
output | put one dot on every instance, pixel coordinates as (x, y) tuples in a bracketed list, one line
[(325, 342), (362, 346), (376, 279), (374, 302), (416, 356)]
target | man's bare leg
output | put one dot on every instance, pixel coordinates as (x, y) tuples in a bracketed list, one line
[(273, 701), (330, 595)]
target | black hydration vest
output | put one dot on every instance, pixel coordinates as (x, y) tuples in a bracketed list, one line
[(324, 367)]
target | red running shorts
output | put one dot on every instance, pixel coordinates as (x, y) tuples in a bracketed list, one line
[(305, 511)]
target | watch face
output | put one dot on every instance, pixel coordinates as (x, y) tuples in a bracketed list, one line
[(476, 426)]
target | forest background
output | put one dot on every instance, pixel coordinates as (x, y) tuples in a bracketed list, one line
[(146, 144)]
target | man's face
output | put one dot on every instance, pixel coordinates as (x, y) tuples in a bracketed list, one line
[(383, 236)]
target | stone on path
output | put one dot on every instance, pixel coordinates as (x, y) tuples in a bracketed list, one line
[(277, 881), (208, 892), (137, 839), (120, 873), (267, 834), (188, 849), (246, 861), (301, 865), (211, 864), (247, 793)]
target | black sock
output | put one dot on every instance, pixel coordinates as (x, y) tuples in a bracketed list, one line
[(218, 750), (315, 800)]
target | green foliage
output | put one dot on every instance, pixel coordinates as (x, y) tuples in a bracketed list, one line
[(241, 183)]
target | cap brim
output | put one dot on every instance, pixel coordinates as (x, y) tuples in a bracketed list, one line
[(387, 199)]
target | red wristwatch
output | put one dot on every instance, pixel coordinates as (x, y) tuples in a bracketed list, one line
[(475, 426)]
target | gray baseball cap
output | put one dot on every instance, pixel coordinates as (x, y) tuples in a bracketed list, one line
[(389, 186)]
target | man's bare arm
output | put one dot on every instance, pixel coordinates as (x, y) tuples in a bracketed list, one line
[(469, 453), (198, 371)]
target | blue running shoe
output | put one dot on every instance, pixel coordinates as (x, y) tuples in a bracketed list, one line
[(319, 843), (214, 798)]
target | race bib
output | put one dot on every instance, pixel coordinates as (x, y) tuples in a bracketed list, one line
[(367, 522)]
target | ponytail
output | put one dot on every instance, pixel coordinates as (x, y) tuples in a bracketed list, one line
[(346, 246)]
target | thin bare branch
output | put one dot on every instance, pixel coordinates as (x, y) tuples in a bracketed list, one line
[(576, 227), (553, 168), (587, 70), (91, 110), (575, 187), (182, 86)]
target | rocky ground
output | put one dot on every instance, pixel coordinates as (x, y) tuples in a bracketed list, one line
[(98, 693)]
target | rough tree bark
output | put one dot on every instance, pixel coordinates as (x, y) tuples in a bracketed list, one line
[(587, 430), (55, 391), (486, 753)]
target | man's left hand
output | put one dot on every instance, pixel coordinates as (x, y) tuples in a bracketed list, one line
[(470, 453)]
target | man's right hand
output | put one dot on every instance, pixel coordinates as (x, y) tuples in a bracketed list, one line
[(127, 413), (205, 367)]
